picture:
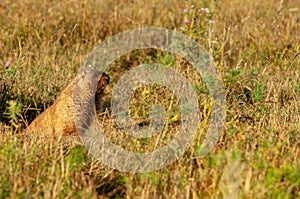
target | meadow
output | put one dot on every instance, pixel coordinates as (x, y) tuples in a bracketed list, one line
[(255, 46)]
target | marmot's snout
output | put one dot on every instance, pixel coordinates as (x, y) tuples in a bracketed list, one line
[(103, 82)]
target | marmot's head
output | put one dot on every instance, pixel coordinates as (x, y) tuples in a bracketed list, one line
[(86, 93), (93, 81)]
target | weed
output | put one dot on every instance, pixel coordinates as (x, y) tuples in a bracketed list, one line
[(259, 92)]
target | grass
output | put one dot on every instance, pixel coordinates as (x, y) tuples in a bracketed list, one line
[(255, 46)]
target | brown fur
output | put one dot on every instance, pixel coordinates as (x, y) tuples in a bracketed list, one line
[(58, 119)]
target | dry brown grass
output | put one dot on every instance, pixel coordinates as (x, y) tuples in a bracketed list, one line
[(255, 46)]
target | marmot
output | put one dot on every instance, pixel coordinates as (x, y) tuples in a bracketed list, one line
[(58, 119)]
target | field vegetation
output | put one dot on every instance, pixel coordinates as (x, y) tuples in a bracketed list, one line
[(255, 46)]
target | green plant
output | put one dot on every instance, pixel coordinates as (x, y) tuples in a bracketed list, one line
[(298, 87), (77, 158), (259, 92), (14, 113)]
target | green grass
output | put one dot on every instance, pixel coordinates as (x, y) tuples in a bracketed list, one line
[(255, 46)]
